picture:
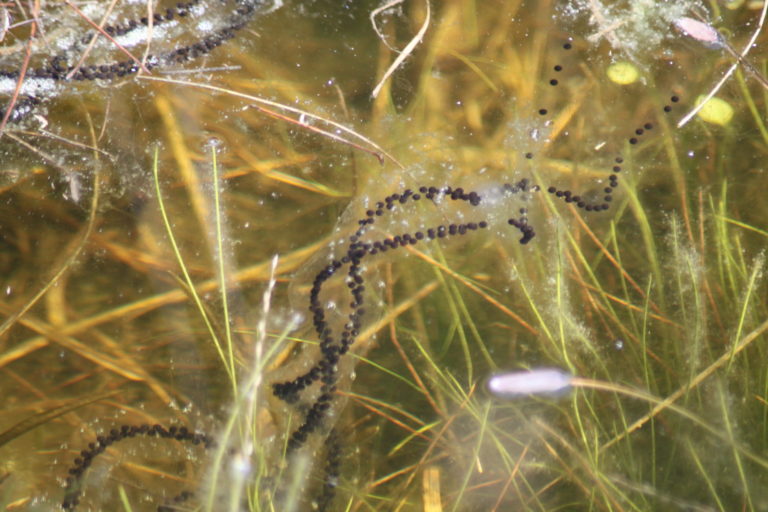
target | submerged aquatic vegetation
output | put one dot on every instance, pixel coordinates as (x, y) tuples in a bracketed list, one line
[(655, 303)]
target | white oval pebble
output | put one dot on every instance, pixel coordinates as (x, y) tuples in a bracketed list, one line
[(700, 31), (538, 381)]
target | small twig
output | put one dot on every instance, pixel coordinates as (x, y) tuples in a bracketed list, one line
[(332, 136), (199, 70), (51, 135), (22, 73), (93, 40), (5, 22), (52, 160), (408, 48), (747, 65), (376, 29), (150, 30)]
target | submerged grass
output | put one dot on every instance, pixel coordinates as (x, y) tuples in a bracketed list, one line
[(657, 308)]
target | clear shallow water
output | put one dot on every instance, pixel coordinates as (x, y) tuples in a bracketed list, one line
[(671, 273)]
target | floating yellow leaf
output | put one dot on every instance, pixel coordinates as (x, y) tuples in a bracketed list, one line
[(623, 73), (715, 111)]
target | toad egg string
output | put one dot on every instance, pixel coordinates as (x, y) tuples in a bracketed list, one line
[(41, 82), (73, 482), (332, 348), (360, 248)]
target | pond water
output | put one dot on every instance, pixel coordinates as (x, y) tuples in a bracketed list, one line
[(234, 278)]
